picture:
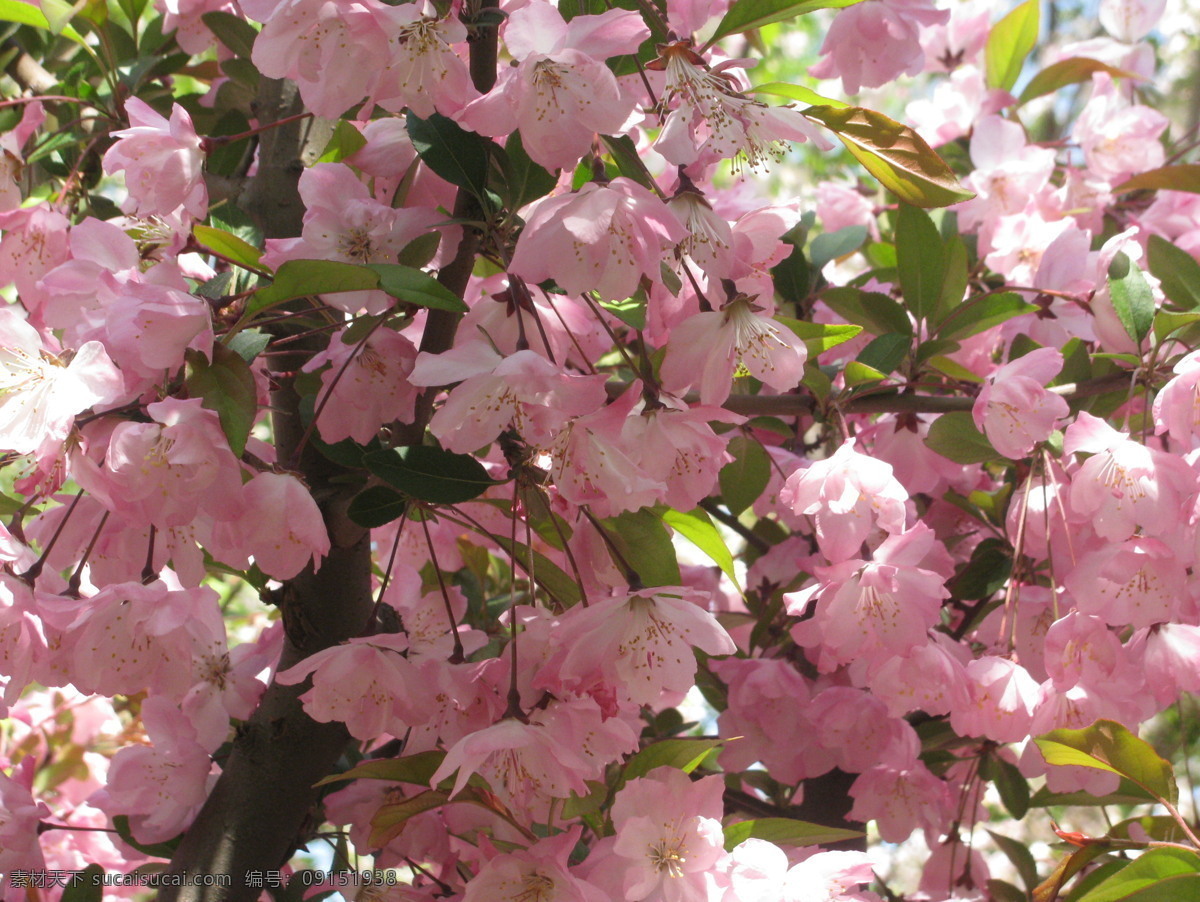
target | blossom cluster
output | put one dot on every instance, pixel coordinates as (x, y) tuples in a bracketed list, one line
[(947, 476)]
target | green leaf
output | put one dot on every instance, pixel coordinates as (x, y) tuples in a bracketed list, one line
[(631, 311), (1018, 853), (785, 831), (85, 886), (546, 573), (1048, 889), (857, 373), (954, 436), (797, 93), (624, 152), (430, 474), (376, 505), (304, 278), (1132, 297), (30, 14), (1177, 270), (682, 754), (1157, 875), (457, 155), (643, 542), (820, 337), (1127, 793), (233, 31), (156, 849), (416, 287), (345, 141), (1067, 72), (983, 576), (227, 245), (833, 245), (920, 261), (885, 353), (981, 313), (745, 477), (226, 385), (1009, 43), (1167, 323), (894, 154), (526, 180), (957, 276), (1003, 891), (698, 528), (1179, 177), (875, 312), (1108, 746), (1010, 782), (745, 15), (388, 821), (792, 276), (417, 769)]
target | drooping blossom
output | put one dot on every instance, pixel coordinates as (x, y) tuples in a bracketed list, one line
[(560, 94), (870, 44), (1177, 404), (669, 837), (12, 143), (1003, 695), (163, 161), (601, 238), (1014, 410), (1138, 582), (279, 524), (711, 119), (847, 494), (422, 70), (364, 683), (707, 349), (42, 391), (640, 644), (1118, 139), (540, 872)]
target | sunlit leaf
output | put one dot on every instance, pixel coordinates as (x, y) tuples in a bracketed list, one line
[(1109, 746), (1009, 43)]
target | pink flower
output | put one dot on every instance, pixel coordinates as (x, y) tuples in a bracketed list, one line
[(526, 875), (870, 44), (830, 877), (35, 241), (19, 819), (711, 119), (423, 72), (868, 609), (602, 238), (364, 683), (364, 387), (561, 93), (160, 787), (1125, 486), (640, 644), (1003, 696), (42, 392), (1139, 582), (1118, 139), (669, 836), (280, 526), (707, 349), (1130, 20), (846, 495), (1177, 405), (163, 161), (1013, 409), (679, 448), (900, 799)]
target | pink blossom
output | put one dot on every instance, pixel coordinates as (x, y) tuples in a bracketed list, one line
[(306, 40), (708, 348), (560, 94), (669, 836), (523, 391), (830, 877), (280, 526), (1177, 404), (1139, 582), (35, 241), (160, 787), (866, 609), (1169, 656), (900, 799), (163, 161), (930, 678), (1125, 486), (423, 71), (525, 764), (640, 644), (601, 238), (524, 875), (678, 447), (364, 683), (870, 44), (365, 385), (12, 157), (1013, 409), (19, 819), (41, 392), (710, 119), (709, 242), (1130, 20), (1118, 140), (847, 495), (1003, 695)]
